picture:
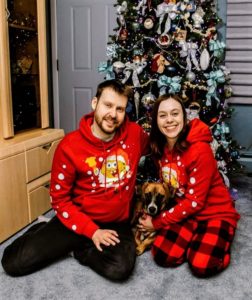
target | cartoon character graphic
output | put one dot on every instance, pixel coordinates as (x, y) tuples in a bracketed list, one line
[(170, 175), (113, 169)]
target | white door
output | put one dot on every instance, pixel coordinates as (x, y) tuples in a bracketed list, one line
[(83, 29)]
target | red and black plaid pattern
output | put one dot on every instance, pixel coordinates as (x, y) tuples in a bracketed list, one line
[(205, 245)]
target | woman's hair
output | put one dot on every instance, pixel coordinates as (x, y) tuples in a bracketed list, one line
[(116, 86), (157, 139)]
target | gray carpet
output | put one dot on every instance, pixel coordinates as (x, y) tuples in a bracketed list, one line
[(67, 279)]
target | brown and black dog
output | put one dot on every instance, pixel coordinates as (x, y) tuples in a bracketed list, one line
[(152, 198)]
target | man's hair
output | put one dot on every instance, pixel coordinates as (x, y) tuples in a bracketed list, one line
[(116, 86), (157, 139)]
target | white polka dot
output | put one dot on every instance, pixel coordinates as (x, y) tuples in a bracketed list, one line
[(108, 150), (93, 184), (191, 191), (74, 227), (164, 214), (180, 204), (64, 166), (171, 210), (65, 214), (89, 172), (121, 142), (57, 187), (100, 159), (184, 212), (194, 169), (124, 146), (192, 180), (55, 212), (61, 176), (179, 163), (166, 160), (127, 188), (92, 191), (178, 157), (194, 204)]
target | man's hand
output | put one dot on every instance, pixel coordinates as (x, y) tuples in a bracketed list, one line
[(106, 237)]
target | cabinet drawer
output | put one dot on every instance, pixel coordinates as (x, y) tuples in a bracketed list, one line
[(39, 160), (38, 197)]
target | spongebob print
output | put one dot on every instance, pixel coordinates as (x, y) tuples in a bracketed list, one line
[(113, 169)]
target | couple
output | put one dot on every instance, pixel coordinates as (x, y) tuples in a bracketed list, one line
[(92, 187)]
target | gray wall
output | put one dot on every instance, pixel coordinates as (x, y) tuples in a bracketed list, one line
[(237, 33)]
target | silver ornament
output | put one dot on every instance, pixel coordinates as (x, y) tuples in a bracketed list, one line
[(190, 76)]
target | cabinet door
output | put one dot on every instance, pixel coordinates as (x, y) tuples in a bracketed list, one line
[(25, 89), (13, 196)]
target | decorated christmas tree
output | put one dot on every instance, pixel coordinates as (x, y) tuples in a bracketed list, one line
[(174, 47)]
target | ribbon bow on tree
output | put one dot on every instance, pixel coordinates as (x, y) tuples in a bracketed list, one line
[(172, 82), (217, 47), (214, 78), (107, 68), (136, 68), (188, 50), (162, 9)]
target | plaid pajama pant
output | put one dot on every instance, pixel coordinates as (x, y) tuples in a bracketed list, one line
[(204, 245)]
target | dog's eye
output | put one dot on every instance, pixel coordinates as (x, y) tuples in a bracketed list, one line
[(160, 197), (148, 196)]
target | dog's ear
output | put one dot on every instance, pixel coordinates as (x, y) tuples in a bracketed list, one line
[(144, 187), (138, 189)]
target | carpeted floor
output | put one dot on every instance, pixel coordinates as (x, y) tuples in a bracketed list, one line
[(67, 279)]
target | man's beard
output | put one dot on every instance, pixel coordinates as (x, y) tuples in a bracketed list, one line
[(99, 122)]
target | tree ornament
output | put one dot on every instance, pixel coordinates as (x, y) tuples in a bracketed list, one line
[(123, 34), (135, 26), (118, 67), (193, 111), (137, 102), (148, 101), (149, 23), (190, 76), (164, 40), (198, 17), (204, 59), (158, 63)]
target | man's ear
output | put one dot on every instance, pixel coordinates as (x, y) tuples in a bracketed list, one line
[(94, 103)]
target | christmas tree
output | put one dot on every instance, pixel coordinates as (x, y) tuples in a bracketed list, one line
[(174, 46)]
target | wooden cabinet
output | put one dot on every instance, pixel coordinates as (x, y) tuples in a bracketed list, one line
[(27, 144)]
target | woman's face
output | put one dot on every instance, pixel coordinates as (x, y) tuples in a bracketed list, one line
[(170, 120)]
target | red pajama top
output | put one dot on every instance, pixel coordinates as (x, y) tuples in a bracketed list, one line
[(200, 191), (92, 180)]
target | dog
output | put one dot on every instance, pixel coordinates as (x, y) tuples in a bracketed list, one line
[(151, 199)]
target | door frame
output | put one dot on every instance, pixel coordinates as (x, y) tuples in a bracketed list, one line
[(54, 51)]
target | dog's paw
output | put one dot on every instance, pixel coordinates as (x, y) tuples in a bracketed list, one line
[(139, 250)]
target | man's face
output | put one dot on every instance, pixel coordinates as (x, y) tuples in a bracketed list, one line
[(109, 112)]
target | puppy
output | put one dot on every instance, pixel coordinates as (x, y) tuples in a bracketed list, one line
[(152, 198)]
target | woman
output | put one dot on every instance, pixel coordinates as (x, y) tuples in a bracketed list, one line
[(200, 227)]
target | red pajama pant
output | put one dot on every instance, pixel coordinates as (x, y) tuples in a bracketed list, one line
[(204, 245)]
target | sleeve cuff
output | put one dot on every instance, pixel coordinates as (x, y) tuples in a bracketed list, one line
[(90, 229), (157, 222)]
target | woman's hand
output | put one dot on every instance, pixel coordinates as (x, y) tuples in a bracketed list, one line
[(145, 224)]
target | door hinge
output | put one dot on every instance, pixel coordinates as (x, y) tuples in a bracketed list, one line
[(57, 64)]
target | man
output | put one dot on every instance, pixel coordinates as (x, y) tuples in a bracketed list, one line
[(92, 186)]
